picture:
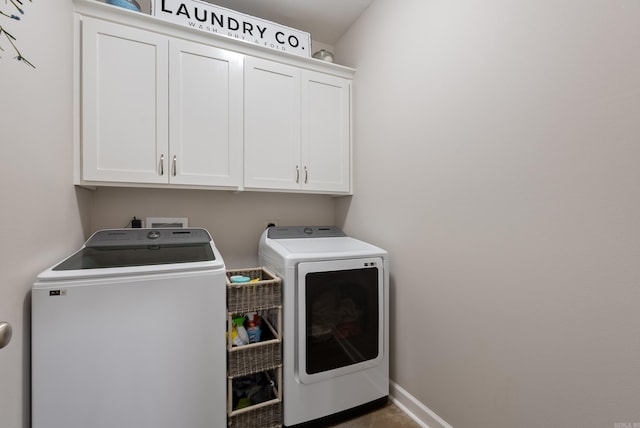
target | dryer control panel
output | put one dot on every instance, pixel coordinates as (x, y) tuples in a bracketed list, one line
[(291, 232)]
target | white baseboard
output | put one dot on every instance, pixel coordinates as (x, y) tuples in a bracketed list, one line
[(417, 411)]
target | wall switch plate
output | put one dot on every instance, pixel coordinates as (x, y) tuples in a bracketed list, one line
[(160, 222)]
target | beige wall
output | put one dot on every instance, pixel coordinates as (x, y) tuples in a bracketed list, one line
[(235, 220), (496, 158), (496, 151), (43, 216)]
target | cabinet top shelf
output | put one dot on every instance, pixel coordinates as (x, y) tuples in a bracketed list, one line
[(98, 9)]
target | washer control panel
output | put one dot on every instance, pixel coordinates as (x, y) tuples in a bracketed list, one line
[(136, 237)]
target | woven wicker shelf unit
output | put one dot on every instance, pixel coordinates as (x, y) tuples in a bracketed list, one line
[(264, 296)]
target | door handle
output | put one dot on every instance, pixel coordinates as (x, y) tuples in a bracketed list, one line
[(5, 334)]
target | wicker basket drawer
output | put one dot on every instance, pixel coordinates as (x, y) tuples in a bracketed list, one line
[(266, 292), (262, 398), (269, 416), (254, 358)]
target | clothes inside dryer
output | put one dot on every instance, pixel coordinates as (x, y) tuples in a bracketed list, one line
[(342, 311)]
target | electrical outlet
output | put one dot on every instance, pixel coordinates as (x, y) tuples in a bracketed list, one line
[(269, 223)]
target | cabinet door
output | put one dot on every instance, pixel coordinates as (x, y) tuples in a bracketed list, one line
[(205, 117), (124, 104), (272, 125), (326, 133)]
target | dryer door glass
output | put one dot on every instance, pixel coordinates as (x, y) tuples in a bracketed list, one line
[(340, 307)]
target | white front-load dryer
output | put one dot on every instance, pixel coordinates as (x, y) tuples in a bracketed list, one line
[(335, 322)]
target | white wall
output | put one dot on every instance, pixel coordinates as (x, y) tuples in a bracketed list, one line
[(496, 158), (42, 215)]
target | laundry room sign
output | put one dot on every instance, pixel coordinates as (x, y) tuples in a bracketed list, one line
[(204, 16)]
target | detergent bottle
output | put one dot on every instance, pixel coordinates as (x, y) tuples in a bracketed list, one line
[(253, 327), (242, 332)]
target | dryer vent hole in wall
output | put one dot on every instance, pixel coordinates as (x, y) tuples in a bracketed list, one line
[(270, 223)]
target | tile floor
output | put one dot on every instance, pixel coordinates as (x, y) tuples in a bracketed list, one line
[(388, 416)]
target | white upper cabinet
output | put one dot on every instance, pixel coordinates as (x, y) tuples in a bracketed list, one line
[(272, 125), (297, 129), (205, 115), (124, 103), (158, 110), (160, 105), (326, 133)]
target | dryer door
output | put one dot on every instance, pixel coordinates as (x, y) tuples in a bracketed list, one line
[(340, 317)]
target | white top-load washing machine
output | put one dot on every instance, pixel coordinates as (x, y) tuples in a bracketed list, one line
[(129, 332), (335, 322)]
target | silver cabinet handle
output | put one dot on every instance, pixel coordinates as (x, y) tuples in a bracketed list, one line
[(162, 164), (306, 175), (5, 334), (297, 174), (173, 165)]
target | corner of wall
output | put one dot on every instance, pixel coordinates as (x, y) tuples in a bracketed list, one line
[(416, 410)]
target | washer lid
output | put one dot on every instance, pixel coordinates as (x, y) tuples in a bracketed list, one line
[(141, 247), (124, 252)]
